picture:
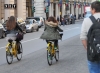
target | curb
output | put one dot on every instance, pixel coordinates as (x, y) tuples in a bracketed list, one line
[(78, 20)]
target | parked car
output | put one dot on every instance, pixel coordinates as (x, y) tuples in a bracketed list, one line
[(22, 24), (40, 20), (88, 14), (2, 31), (31, 25)]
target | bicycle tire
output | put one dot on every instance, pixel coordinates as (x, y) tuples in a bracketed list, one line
[(8, 53), (21, 49), (49, 55), (57, 55)]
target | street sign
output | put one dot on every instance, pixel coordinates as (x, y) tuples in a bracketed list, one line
[(9, 6)]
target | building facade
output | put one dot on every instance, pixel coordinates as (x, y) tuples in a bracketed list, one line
[(23, 8)]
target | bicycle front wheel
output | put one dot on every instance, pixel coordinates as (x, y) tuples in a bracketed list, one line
[(9, 56), (49, 55), (19, 55)]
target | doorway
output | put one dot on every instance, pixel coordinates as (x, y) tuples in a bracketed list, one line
[(29, 8)]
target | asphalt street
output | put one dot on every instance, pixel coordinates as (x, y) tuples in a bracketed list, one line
[(72, 54)]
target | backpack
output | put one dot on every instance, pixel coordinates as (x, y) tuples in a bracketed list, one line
[(93, 41)]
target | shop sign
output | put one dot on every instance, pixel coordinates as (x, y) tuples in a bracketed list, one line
[(10, 6)]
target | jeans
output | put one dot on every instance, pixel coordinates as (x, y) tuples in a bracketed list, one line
[(94, 67)]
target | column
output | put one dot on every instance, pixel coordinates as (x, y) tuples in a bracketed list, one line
[(57, 10), (0, 9), (63, 10), (72, 9), (50, 10), (82, 9), (77, 12), (68, 11), (7, 11), (21, 8)]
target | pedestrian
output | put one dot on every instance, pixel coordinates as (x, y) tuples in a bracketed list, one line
[(2, 20), (51, 31), (90, 35), (58, 18), (62, 21)]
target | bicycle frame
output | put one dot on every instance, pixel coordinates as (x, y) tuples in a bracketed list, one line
[(51, 44), (14, 48)]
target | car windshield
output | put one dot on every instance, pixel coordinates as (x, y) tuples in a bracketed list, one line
[(29, 22), (37, 19)]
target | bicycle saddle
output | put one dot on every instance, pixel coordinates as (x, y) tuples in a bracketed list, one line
[(10, 40)]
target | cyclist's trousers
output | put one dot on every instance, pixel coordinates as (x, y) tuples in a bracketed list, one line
[(55, 42)]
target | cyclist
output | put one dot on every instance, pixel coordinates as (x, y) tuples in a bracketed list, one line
[(12, 30), (51, 31)]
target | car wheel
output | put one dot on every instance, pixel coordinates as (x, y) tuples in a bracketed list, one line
[(37, 29), (3, 35), (32, 29)]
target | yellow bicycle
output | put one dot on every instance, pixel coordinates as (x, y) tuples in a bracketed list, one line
[(12, 51), (52, 52)]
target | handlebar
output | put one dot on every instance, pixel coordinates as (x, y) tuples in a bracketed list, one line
[(61, 34)]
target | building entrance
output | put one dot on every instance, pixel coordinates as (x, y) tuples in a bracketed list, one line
[(29, 8)]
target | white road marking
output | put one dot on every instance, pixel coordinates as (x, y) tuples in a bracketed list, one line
[(29, 40), (39, 37), (71, 28)]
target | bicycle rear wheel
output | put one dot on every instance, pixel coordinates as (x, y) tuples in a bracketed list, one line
[(9, 56), (19, 55), (57, 54), (49, 55)]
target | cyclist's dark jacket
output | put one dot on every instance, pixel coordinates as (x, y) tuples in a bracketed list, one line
[(51, 31), (15, 30)]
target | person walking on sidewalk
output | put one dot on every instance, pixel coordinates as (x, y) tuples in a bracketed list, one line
[(90, 36), (2, 20)]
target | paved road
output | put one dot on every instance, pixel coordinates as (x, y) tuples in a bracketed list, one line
[(72, 54)]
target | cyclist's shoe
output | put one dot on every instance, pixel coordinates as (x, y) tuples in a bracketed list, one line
[(55, 48)]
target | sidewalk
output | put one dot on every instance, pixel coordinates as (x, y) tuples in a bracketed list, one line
[(79, 20)]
